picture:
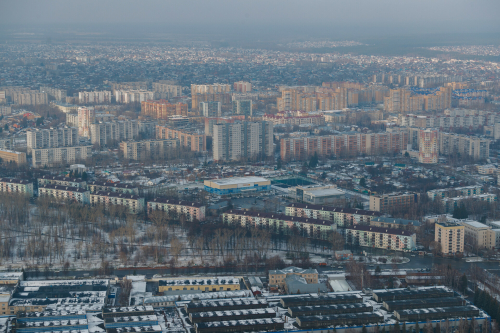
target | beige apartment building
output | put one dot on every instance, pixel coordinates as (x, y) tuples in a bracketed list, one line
[(394, 201), (451, 236), (13, 156), (475, 147), (63, 155), (153, 149), (479, 235), (167, 89)]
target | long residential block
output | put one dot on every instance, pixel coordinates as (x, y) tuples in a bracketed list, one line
[(191, 210), (133, 203), (65, 193), (12, 185)]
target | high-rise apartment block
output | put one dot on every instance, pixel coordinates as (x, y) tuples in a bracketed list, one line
[(404, 101), (163, 109), (106, 133), (65, 155), (210, 93), (428, 146), (57, 94), (136, 85), (465, 145), (450, 236), (210, 122), (30, 97), (210, 109), (94, 97), (242, 140), (196, 141), (294, 118), (133, 96), (5, 110), (343, 145), (395, 201), (52, 138), (7, 143), (167, 89), (243, 107), (147, 149), (242, 86), (86, 117)]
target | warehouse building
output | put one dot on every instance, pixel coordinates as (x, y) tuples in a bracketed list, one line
[(250, 325), (320, 300), (236, 185), (399, 294), (320, 310), (170, 300), (201, 317), (423, 303), (436, 313), (222, 305), (348, 319), (227, 283)]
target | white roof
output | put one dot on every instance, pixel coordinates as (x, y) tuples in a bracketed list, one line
[(476, 224), (323, 192), (239, 180)]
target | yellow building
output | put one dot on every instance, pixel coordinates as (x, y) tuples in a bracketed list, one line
[(479, 235), (451, 236), (211, 284), (13, 156), (277, 277)]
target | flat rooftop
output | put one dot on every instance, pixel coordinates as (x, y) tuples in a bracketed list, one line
[(238, 180)]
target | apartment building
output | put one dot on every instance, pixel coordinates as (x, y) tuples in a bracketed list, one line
[(11, 156), (295, 118), (72, 120), (162, 109), (215, 88), (5, 110), (210, 109), (343, 145), (395, 201), (65, 193), (342, 217), (242, 87), (278, 277), (133, 96), (281, 224), (465, 145), (196, 141), (13, 185), (451, 237), (134, 85), (64, 155), (99, 186), (210, 93), (52, 138), (167, 89), (244, 107), (190, 210), (62, 181), (428, 146), (382, 238), (478, 235), (94, 97), (31, 97), (57, 94), (242, 140), (403, 100), (7, 143), (394, 223), (107, 133), (465, 191), (450, 204), (487, 169), (147, 149), (86, 117), (133, 203), (210, 122)]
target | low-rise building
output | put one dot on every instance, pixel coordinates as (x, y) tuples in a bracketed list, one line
[(479, 235), (219, 283), (320, 195), (281, 224), (382, 238), (96, 186), (394, 223), (450, 236), (465, 191), (12, 185), (13, 156), (278, 277), (233, 185), (133, 203), (191, 210), (62, 181), (65, 193)]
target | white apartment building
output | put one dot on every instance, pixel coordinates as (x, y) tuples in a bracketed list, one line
[(167, 89), (58, 94), (105, 133), (5, 110), (133, 203), (30, 97), (479, 235), (242, 140), (65, 155), (133, 96), (94, 97), (52, 138), (154, 149), (65, 193)]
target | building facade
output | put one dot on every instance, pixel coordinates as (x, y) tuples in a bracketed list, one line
[(196, 141), (107, 133), (65, 155), (242, 86), (52, 138), (99, 186), (147, 149), (12, 185), (232, 142), (133, 203), (451, 237), (210, 109), (167, 89), (86, 117), (62, 181), (11, 156), (191, 210), (94, 97), (382, 238), (478, 235), (65, 193), (428, 146), (465, 145), (31, 97), (133, 96), (394, 201), (244, 107), (57, 94)]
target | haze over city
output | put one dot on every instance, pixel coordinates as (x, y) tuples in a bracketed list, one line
[(249, 166)]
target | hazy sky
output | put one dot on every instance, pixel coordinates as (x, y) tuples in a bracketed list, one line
[(369, 15)]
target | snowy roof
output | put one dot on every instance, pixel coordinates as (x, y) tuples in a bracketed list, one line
[(238, 180), (215, 314), (133, 329), (10, 275), (200, 282), (126, 309), (247, 322), (293, 269), (476, 224), (210, 295), (55, 283)]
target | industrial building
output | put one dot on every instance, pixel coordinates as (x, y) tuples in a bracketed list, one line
[(348, 319), (250, 325), (310, 300), (423, 303), (227, 283), (299, 311), (436, 313), (200, 317), (222, 305), (237, 185), (399, 294)]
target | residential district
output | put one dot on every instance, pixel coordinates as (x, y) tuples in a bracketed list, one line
[(199, 189)]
